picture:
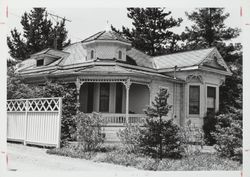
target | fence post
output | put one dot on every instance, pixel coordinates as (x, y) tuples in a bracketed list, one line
[(59, 122), (26, 122)]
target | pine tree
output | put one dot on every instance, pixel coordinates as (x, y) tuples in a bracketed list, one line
[(160, 137), (151, 32), (209, 30), (38, 33)]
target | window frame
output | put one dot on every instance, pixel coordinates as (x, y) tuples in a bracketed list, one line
[(39, 61), (188, 100), (105, 96), (216, 96)]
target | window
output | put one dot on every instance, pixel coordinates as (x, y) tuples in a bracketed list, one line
[(194, 99), (90, 97), (104, 97), (118, 103), (120, 54), (92, 54), (211, 98), (40, 62)]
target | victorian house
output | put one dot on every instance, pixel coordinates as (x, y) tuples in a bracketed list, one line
[(115, 79)]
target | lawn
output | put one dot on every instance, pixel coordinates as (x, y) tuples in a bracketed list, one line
[(205, 161)]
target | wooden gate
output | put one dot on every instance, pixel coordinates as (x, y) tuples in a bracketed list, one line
[(34, 121)]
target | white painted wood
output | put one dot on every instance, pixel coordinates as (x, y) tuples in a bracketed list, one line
[(38, 122), (26, 120)]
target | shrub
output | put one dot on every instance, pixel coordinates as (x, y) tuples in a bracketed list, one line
[(210, 121), (88, 131), (168, 137), (158, 138), (17, 88), (192, 139), (228, 135), (68, 93), (130, 138)]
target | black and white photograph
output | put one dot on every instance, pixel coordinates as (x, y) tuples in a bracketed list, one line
[(124, 89)]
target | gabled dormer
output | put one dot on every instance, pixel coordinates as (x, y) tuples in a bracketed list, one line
[(48, 56), (106, 45)]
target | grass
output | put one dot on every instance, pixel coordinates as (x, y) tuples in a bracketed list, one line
[(203, 161), (115, 155)]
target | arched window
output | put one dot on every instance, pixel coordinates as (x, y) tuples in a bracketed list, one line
[(120, 54), (92, 54)]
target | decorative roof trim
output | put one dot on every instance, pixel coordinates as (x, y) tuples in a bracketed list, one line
[(204, 68), (106, 40)]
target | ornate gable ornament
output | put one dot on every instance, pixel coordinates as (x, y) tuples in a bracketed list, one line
[(194, 76), (215, 60)]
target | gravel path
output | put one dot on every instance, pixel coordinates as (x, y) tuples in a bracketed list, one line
[(27, 158)]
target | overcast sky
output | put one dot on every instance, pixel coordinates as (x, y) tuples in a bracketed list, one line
[(88, 21)]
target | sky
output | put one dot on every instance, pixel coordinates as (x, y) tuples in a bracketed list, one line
[(88, 21)]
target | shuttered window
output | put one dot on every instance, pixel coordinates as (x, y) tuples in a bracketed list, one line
[(194, 99)]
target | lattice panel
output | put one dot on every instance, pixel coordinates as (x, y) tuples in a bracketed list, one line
[(34, 105), (16, 105)]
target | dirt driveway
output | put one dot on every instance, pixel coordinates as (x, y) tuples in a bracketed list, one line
[(27, 158)]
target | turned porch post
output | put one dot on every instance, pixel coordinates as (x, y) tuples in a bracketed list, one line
[(127, 85), (78, 87)]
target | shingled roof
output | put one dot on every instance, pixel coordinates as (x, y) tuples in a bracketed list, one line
[(106, 35)]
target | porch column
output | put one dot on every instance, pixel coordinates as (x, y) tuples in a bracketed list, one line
[(150, 89), (78, 87), (127, 85)]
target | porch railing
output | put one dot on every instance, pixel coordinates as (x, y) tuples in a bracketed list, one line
[(120, 119)]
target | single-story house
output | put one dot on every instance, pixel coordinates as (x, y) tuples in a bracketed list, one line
[(117, 80)]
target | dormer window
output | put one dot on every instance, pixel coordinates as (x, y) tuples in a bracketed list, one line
[(40, 62), (120, 54), (92, 54)]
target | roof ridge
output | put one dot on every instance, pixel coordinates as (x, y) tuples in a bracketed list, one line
[(101, 32)]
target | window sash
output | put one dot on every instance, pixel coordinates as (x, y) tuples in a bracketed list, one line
[(194, 99), (211, 99), (104, 97)]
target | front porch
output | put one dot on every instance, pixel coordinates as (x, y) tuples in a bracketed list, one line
[(119, 101)]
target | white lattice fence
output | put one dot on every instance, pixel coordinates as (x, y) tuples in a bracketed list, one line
[(34, 121)]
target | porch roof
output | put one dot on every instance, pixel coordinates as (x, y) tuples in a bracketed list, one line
[(112, 69)]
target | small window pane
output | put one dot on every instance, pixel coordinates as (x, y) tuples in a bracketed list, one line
[(92, 54), (39, 62), (194, 100), (120, 54)]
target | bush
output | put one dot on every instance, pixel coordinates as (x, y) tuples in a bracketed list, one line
[(228, 135), (88, 131), (130, 138), (17, 88), (161, 137), (210, 121), (169, 138), (192, 139)]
